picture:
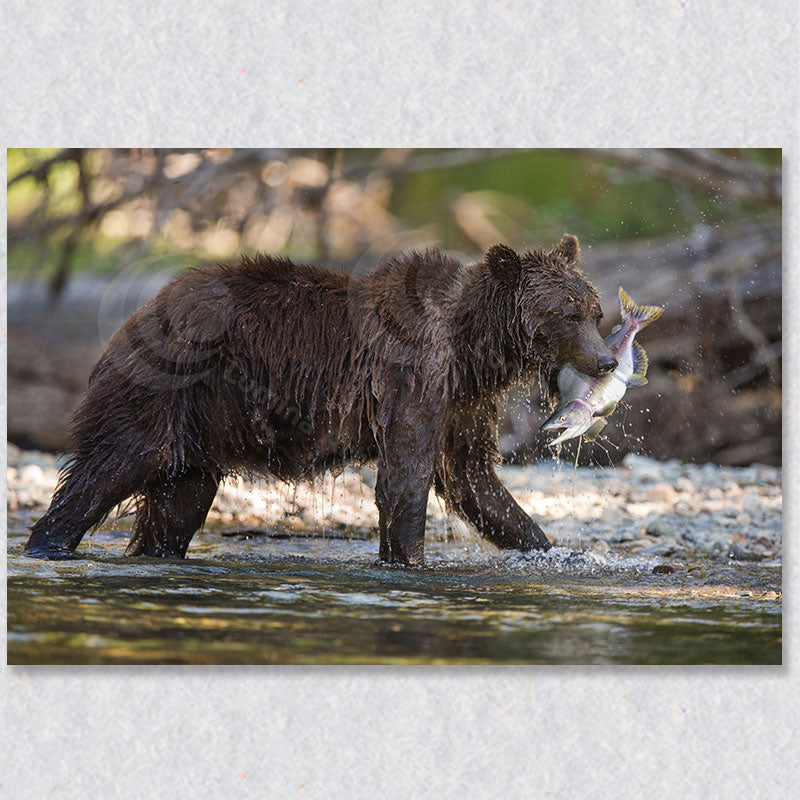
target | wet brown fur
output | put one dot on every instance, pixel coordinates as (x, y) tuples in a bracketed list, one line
[(290, 370)]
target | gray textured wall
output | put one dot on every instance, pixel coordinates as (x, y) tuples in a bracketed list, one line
[(616, 73)]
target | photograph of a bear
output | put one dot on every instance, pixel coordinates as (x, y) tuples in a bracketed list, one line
[(264, 366)]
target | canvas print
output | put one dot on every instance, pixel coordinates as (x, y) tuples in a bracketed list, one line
[(394, 406)]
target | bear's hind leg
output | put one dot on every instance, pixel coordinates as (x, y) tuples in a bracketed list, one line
[(170, 512), (85, 496)]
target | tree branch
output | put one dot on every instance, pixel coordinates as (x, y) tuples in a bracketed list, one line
[(710, 171)]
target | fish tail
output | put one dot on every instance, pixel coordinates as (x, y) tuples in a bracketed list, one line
[(641, 315)]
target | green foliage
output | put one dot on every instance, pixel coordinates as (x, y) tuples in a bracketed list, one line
[(529, 198), (555, 191)]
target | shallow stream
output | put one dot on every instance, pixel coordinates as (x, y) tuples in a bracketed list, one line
[(323, 600)]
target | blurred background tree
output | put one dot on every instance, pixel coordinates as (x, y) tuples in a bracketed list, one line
[(698, 231)]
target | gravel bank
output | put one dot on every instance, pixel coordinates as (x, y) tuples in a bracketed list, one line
[(653, 508)]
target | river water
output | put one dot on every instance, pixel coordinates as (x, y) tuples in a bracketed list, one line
[(315, 599)]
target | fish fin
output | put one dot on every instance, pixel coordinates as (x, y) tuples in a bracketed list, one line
[(606, 410), (640, 365), (640, 360), (593, 432), (643, 315)]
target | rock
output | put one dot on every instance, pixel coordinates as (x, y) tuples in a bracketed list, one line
[(610, 514), (764, 542), (715, 542), (663, 569), (684, 508), (13, 454), (23, 499), (666, 549), (752, 505), (644, 469), (749, 477), (661, 526), (752, 553), (43, 460), (32, 475), (662, 493), (637, 545)]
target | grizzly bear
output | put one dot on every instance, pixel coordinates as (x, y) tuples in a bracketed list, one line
[(264, 366)]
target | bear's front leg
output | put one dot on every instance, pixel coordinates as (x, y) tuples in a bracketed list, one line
[(476, 494), (466, 479), (402, 500), (408, 444)]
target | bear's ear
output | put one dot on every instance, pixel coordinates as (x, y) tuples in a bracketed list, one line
[(568, 248), (504, 264)]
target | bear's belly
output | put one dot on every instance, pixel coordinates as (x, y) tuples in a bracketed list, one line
[(304, 448)]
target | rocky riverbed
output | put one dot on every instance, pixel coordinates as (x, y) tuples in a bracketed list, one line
[(665, 510), (655, 563)]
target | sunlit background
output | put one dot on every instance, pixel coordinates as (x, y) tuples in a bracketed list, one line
[(698, 231)]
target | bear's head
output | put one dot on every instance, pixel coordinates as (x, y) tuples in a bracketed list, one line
[(558, 309)]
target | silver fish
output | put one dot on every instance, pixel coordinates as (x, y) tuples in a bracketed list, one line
[(585, 401)]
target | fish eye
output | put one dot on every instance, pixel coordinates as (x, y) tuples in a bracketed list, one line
[(563, 418)]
